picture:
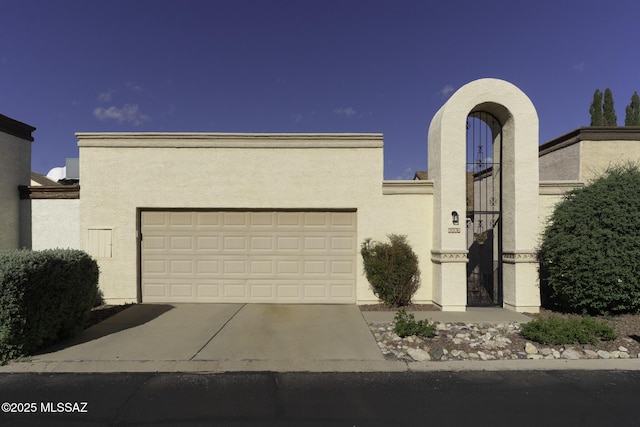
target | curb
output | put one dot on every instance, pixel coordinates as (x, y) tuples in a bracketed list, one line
[(221, 366)]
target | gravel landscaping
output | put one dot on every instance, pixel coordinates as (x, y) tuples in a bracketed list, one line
[(474, 341)]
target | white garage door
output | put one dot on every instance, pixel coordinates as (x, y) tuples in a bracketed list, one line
[(252, 256)]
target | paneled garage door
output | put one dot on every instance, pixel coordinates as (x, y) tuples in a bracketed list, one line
[(248, 256)]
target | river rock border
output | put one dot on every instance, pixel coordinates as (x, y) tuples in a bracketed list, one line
[(475, 341)]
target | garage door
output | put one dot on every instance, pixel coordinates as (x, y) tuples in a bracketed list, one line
[(252, 256)]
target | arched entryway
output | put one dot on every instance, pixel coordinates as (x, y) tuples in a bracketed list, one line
[(507, 114)]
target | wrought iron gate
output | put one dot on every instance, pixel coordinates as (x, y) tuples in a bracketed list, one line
[(484, 210)]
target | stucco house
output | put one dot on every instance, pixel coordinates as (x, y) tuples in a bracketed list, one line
[(15, 171), (197, 227), (279, 218)]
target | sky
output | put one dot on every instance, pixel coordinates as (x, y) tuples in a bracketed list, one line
[(307, 66)]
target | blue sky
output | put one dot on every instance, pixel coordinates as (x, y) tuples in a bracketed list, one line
[(302, 66)]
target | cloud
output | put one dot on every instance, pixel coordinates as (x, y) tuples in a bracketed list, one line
[(347, 112), (170, 110), (127, 114), (407, 173), (133, 86), (303, 117), (446, 91), (105, 96), (579, 67)]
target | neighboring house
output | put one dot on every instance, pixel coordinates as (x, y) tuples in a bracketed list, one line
[(217, 217), (586, 152), (55, 213), (575, 158), (421, 175), (15, 170)]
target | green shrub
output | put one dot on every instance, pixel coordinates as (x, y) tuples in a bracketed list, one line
[(590, 251), (391, 269), (406, 325), (555, 330), (44, 296)]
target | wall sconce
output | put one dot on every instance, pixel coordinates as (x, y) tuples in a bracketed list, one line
[(455, 218)]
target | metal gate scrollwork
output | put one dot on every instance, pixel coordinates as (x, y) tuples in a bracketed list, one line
[(484, 210)]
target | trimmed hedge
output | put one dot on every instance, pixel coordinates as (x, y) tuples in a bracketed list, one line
[(45, 296), (590, 251), (391, 269), (556, 330)]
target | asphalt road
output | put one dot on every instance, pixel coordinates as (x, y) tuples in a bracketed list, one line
[(478, 398)]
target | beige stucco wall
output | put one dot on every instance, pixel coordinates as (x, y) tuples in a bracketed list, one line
[(551, 193), (122, 172), (597, 156), (561, 165), (15, 170), (406, 207), (55, 223)]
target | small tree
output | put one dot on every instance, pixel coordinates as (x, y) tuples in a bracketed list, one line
[(590, 251), (596, 109), (608, 109), (391, 269), (632, 117)]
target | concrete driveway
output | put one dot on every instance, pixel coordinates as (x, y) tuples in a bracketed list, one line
[(223, 332)]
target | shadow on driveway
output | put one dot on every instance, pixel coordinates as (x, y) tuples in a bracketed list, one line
[(130, 317)]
